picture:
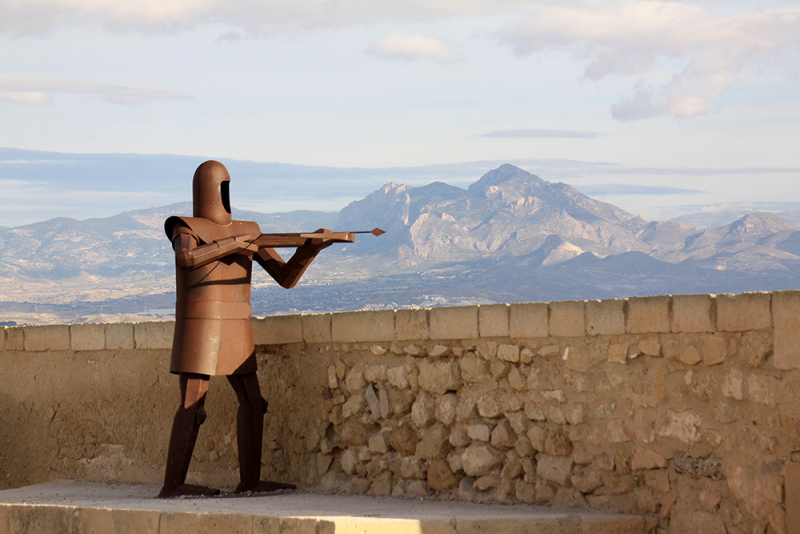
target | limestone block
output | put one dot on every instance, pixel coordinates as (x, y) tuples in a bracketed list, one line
[(480, 432), (440, 477), (411, 325), (404, 439), (567, 318), (480, 459), (434, 443), (90, 336), (528, 320), (692, 313), (47, 337), (460, 322), (647, 459), (648, 315), (509, 353), (684, 520), (473, 368), (154, 335), (3, 338), (119, 336), (15, 338), (556, 469), (360, 327), (317, 328), (119, 521), (605, 317), (493, 320), (423, 411), (786, 310), (446, 407), (746, 311), (278, 329), (714, 349), (438, 377), (763, 389)]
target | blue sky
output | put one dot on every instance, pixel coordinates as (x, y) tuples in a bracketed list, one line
[(701, 95)]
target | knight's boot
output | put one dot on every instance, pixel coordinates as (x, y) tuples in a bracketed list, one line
[(250, 432), (181, 444)]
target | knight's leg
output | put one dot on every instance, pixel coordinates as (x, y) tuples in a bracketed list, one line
[(250, 431), (188, 418)]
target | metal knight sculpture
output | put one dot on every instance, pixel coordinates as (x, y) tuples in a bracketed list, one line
[(213, 336)]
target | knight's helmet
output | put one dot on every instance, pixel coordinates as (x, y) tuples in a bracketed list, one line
[(211, 192)]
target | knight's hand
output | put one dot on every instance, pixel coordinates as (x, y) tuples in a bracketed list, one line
[(318, 243)]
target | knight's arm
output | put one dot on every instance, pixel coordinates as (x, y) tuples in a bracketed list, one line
[(288, 273), (188, 255)]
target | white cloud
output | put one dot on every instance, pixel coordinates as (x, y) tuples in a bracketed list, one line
[(705, 53), (398, 45), (35, 91), (258, 17)]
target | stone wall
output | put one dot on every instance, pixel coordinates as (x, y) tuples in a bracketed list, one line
[(684, 407)]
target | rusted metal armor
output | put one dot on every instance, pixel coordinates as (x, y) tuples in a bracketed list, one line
[(213, 334)]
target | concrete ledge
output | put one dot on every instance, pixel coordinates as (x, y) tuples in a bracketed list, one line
[(528, 320), (411, 325), (91, 336), (605, 317), (119, 336), (786, 309), (493, 320), (648, 315), (353, 327), (277, 329), (692, 313), (317, 328), (567, 318), (746, 311), (72, 507), (47, 337), (156, 335), (460, 322)]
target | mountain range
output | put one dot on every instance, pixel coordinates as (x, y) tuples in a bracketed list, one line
[(508, 237)]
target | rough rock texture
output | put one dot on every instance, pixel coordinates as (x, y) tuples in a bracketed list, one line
[(696, 427)]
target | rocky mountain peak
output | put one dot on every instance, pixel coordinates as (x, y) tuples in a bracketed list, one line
[(506, 174)]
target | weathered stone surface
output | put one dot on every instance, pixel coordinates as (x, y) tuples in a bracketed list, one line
[(754, 348), (434, 443), (400, 402), (156, 335), (408, 467), (481, 459), (361, 327), (658, 480), (397, 377), (516, 380), (567, 319), (440, 477), (786, 307), (411, 325), (492, 403), (618, 353), (556, 469), (376, 373), (528, 320), (732, 384), (379, 443), (277, 329), (486, 483), (684, 520), (423, 411), (438, 377), (509, 353), (503, 436), (745, 311), (473, 368), (683, 426), (692, 313), (88, 336), (647, 459), (317, 328), (454, 323), (534, 411), (714, 349), (480, 432), (446, 407), (356, 432), (493, 320), (557, 443), (762, 389), (119, 336), (605, 317), (690, 355), (525, 492), (404, 439), (587, 481), (459, 436), (648, 315), (466, 409), (373, 403), (354, 405)]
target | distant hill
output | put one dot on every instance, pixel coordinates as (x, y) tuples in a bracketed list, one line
[(510, 236)]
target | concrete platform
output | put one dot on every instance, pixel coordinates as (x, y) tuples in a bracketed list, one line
[(71, 507)]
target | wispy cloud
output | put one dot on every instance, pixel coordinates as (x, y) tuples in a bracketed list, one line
[(36, 91), (541, 134), (626, 189), (404, 46), (702, 54)]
